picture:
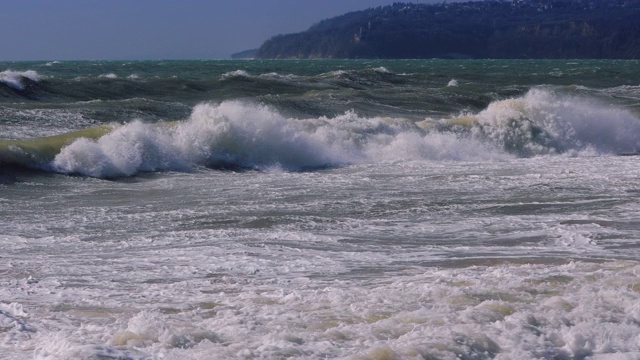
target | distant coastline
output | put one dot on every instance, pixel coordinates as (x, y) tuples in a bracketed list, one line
[(501, 29), (244, 55)]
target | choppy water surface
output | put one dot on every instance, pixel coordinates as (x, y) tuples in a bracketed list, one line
[(320, 209)]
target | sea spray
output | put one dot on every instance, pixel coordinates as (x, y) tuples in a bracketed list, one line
[(543, 122), (246, 135), (129, 149), (235, 74), (16, 79), (230, 133)]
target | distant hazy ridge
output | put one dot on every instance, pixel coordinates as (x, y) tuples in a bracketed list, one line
[(482, 29)]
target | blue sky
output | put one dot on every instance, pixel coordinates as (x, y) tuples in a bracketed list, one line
[(155, 29)]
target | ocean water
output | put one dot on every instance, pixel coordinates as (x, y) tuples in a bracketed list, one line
[(320, 210)]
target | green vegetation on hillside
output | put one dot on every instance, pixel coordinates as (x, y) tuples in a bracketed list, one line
[(480, 29)]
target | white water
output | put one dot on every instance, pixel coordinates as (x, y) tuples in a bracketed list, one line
[(108, 76), (508, 233), (237, 73), (254, 136), (571, 123), (512, 259), (257, 137), (14, 78)]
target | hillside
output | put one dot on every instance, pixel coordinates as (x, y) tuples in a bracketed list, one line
[(479, 29), (244, 55)]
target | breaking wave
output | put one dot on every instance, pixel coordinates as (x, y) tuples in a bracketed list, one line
[(544, 122), (235, 74), (108, 76), (236, 134), (18, 80), (251, 136)]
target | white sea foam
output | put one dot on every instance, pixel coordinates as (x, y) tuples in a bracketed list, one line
[(60, 347), (525, 312), (577, 236), (315, 265), (335, 73), (14, 79), (235, 74), (12, 318), (275, 75), (255, 136), (108, 76), (129, 149), (542, 122), (453, 83)]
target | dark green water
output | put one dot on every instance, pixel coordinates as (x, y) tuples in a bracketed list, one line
[(167, 90)]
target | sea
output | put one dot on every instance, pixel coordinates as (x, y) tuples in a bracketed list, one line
[(320, 209)]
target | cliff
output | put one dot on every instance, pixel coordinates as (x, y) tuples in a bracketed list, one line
[(479, 29)]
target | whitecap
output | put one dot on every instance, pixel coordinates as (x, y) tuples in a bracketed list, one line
[(234, 74), (15, 79), (256, 136), (108, 76), (382, 70), (543, 121)]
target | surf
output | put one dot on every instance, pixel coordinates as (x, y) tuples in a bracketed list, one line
[(40, 151), (19, 80), (241, 134), (545, 122)]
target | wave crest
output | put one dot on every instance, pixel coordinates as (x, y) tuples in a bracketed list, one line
[(18, 79), (254, 136), (235, 74), (243, 135), (544, 122)]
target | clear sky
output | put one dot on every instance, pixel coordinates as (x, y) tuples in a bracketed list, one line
[(155, 29)]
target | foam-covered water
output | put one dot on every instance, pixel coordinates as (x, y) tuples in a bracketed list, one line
[(320, 210)]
